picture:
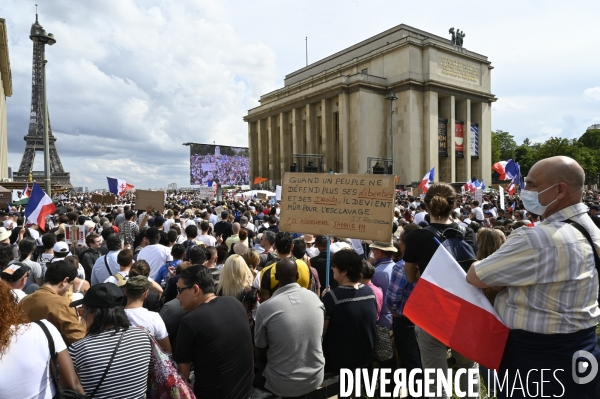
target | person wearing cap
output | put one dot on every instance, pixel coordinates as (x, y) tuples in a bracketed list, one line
[(381, 259), (109, 333), (214, 336), (49, 303), (136, 291), (311, 250), (15, 275), (61, 251)]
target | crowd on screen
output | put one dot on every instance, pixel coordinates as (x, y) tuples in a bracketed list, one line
[(245, 307), (227, 169)]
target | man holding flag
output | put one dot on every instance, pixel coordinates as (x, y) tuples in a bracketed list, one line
[(551, 278)]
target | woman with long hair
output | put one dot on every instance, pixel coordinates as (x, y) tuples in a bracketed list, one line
[(420, 246), (236, 281), (111, 348), (252, 259), (25, 354)]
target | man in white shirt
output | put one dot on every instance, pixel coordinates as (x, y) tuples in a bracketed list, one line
[(155, 254), (136, 290), (107, 265), (15, 275), (477, 211), (170, 219), (206, 238), (420, 217)]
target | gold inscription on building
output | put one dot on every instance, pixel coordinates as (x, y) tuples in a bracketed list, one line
[(458, 69)]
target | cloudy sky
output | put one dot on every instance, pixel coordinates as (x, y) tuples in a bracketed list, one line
[(130, 81)]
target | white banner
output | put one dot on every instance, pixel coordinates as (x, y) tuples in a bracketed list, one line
[(205, 191), (209, 167), (278, 193), (501, 191)]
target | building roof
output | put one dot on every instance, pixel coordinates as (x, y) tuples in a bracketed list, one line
[(5, 60)]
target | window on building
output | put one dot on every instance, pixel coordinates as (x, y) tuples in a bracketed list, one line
[(365, 71)]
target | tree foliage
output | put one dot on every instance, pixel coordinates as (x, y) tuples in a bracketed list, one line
[(503, 146)]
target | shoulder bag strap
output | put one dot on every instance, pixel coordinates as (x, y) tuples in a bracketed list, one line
[(106, 263), (107, 367), (585, 233), (53, 366)]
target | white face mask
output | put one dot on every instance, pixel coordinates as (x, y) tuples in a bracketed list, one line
[(371, 256), (532, 203)]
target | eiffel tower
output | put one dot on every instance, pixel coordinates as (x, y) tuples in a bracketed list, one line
[(35, 135)]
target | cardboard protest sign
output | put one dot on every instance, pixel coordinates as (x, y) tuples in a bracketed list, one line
[(103, 199), (145, 198), (261, 196), (350, 206), (206, 192)]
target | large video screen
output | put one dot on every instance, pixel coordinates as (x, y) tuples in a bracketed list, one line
[(227, 165)]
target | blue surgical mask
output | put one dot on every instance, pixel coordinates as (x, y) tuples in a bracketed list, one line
[(532, 203)]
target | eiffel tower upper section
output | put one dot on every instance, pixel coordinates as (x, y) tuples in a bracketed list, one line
[(35, 134)]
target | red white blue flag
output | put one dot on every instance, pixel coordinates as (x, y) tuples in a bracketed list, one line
[(39, 206), (118, 186), (427, 180)]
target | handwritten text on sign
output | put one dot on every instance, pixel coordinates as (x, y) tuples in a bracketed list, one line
[(351, 206)]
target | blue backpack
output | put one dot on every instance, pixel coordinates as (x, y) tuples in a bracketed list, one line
[(453, 239)]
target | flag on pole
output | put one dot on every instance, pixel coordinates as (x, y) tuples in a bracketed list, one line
[(39, 206), (482, 185), (512, 187), (474, 185), (27, 191), (467, 185), (118, 186), (468, 323), (427, 180)]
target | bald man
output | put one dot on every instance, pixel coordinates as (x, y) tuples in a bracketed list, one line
[(287, 336), (548, 285)]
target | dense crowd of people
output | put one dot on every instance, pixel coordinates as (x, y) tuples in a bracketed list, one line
[(244, 306)]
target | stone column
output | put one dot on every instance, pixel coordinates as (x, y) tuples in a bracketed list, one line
[(310, 129), (448, 164), (430, 132), (327, 135), (263, 155), (285, 145), (252, 153), (344, 112)]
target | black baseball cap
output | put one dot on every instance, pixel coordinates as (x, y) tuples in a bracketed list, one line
[(103, 295), (15, 271)]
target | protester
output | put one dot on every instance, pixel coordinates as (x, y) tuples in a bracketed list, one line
[(398, 292), (550, 302), (25, 354), (420, 246), (367, 273), (49, 303), (114, 359), (27, 247), (16, 275), (349, 331), (154, 253), (89, 257), (236, 281), (107, 265), (285, 328), (215, 337), (136, 291), (383, 263)]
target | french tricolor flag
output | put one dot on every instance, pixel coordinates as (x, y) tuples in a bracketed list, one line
[(457, 313), (118, 186), (506, 169), (427, 180), (39, 206), (512, 187), (27, 191)]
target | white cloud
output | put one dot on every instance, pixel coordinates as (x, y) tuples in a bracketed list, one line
[(592, 94)]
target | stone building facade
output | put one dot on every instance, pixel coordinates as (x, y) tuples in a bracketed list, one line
[(336, 107), (5, 91)]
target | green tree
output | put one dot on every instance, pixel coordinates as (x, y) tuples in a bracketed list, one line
[(503, 146), (591, 139)]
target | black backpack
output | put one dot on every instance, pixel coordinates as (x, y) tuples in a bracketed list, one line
[(453, 239)]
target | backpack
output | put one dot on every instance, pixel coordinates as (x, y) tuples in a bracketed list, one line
[(453, 239)]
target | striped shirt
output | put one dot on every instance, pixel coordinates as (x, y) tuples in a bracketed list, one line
[(128, 373), (399, 290), (549, 273)]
